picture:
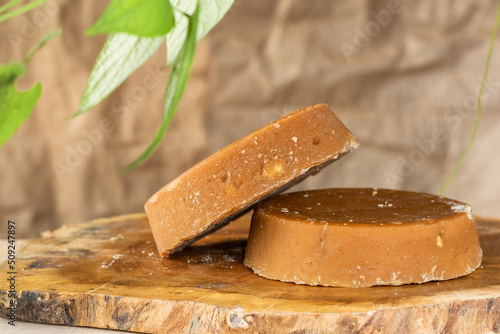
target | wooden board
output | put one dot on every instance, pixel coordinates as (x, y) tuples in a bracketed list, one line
[(107, 273)]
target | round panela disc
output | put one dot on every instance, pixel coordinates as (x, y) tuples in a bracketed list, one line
[(362, 237), (234, 179)]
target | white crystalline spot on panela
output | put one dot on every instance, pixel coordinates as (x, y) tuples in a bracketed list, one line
[(273, 169), (439, 241), (463, 208)]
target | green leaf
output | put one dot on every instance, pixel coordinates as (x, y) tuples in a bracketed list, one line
[(9, 73), (211, 12), (121, 55), (15, 108), (145, 18), (175, 88)]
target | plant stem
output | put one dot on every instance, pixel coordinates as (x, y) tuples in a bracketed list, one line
[(9, 5), (479, 110), (40, 45), (21, 10)]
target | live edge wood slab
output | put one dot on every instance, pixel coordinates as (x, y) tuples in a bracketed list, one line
[(107, 273)]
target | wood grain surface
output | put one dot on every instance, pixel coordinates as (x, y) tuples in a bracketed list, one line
[(107, 274)]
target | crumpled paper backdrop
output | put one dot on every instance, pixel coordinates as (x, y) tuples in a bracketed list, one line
[(402, 75)]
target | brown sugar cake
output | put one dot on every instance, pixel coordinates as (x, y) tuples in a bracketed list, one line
[(362, 237), (231, 181)]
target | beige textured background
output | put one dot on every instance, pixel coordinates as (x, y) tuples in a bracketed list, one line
[(406, 90)]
